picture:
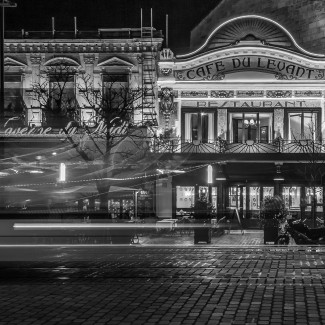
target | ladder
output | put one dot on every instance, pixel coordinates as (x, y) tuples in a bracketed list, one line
[(149, 76)]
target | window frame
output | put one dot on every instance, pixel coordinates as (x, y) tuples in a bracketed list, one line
[(257, 112), (287, 130), (199, 112)]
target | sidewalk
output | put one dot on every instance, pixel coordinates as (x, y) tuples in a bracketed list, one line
[(235, 237), (140, 285)]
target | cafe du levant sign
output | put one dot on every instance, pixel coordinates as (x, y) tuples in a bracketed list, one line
[(282, 69)]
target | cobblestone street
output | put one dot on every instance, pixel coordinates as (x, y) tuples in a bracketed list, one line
[(162, 285)]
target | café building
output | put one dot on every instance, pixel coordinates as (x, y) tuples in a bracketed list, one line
[(248, 100)]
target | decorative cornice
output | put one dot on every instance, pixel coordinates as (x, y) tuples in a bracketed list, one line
[(222, 93), (250, 93), (87, 46), (278, 93)]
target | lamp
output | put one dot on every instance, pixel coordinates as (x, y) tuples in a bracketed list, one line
[(62, 172), (278, 175), (209, 174)]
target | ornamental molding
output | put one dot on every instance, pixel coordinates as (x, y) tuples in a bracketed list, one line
[(194, 93), (36, 59), (250, 93), (89, 59), (283, 66), (14, 63), (249, 51), (166, 71), (308, 93), (166, 55), (115, 61), (222, 93), (278, 93), (61, 59), (97, 46)]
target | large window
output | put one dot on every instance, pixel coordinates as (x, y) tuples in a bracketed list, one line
[(199, 127), (302, 125), (14, 103), (62, 91), (250, 126), (115, 89)]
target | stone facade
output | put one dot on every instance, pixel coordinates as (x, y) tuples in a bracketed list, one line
[(304, 19)]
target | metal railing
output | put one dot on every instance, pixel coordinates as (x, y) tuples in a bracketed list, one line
[(177, 145)]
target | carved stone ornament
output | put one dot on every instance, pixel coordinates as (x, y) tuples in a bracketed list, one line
[(250, 93), (308, 93), (222, 93), (166, 54), (36, 59), (166, 71), (280, 76), (194, 93), (278, 93), (218, 76), (89, 59), (166, 105)]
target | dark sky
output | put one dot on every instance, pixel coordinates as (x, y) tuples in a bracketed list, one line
[(94, 14)]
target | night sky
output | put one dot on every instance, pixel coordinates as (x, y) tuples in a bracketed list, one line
[(94, 14)]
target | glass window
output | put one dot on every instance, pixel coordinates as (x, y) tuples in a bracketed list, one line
[(250, 126), (34, 116), (291, 196), (302, 125), (214, 197), (234, 197), (184, 197), (199, 127), (254, 198), (62, 91), (318, 194), (268, 191), (14, 103), (115, 88)]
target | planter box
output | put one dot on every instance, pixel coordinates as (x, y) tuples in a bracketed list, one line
[(202, 234), (271, 230)]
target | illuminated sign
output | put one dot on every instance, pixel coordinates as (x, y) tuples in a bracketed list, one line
[(282, 69)]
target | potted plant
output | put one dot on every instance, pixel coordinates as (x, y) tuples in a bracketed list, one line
[(202, 214), (272, 209)]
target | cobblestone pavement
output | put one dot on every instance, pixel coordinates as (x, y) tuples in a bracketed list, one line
[(234, 238), (162, 285)]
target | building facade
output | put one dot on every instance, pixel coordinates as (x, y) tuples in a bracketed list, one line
[(47, 114), (248, 99)]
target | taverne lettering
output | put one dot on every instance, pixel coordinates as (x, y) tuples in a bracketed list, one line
[(257, 63)]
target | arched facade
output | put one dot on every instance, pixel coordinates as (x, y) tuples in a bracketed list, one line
[(249, 101)]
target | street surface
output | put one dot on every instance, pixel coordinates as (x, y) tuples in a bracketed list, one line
[(201, 284)]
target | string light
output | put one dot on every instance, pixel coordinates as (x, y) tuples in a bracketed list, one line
[(189, 169)]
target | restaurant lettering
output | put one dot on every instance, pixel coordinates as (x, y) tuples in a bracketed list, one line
[(259, 104), (281, 68)]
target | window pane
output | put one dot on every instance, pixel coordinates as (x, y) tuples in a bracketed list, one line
[(254, 199), (194, 127), (309, 125), (184, 197), (291, 197), (118, 78), (295, 120), (205, 127)]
